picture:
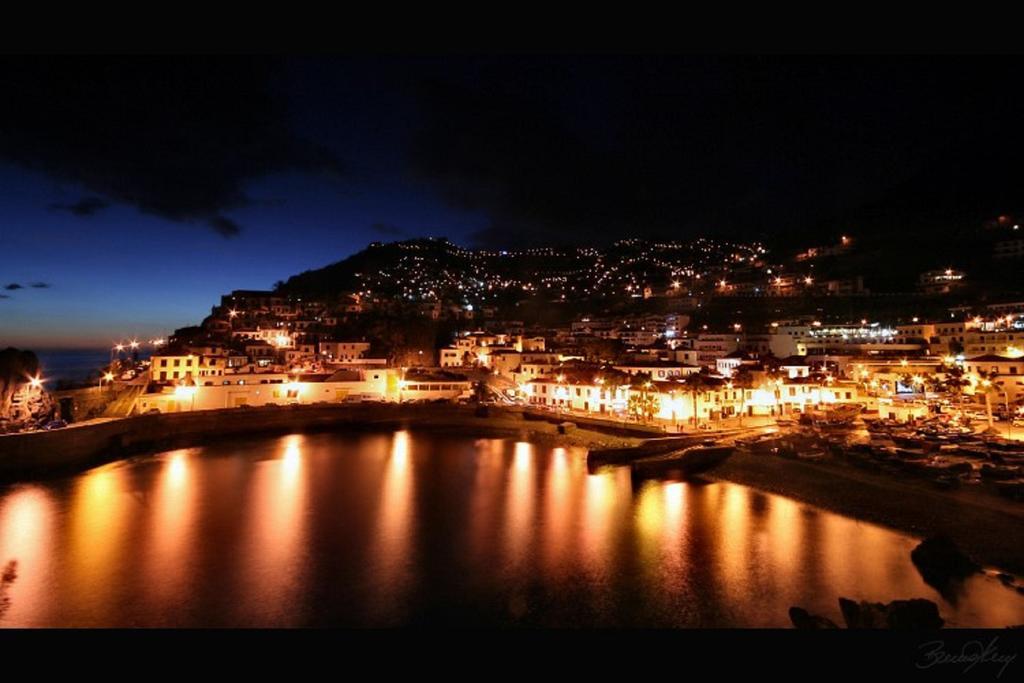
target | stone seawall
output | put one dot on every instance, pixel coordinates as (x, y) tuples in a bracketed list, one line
[(64, 451), (78, 446)]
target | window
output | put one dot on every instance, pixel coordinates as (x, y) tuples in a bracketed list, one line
[(163, 362), (177, 362)]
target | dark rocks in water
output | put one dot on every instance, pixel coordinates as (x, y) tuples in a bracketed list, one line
[(915, 614), (901, 615), (1020, 589), (862, 614), (1006, 579), (942, 564), (804, 620)]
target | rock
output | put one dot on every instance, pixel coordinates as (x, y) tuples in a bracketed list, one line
[(863, 614), (804, 620), (1006, 579), (915, 614), (942, 564), (1020, 589)]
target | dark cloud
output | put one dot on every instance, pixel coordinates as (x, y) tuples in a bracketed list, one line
[(13, 286), (4, 296), (86, 206), (595, 149), (388, 229), (40, 285), (178, 138), (223, 226)]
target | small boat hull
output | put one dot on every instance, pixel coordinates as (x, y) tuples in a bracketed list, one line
[(687, 462)]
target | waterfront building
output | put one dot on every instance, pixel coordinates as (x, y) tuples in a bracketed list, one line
[(655, 369), (171, 367), (343, 351), (1004, 374)]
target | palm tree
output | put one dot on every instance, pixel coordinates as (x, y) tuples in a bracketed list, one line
[(643, 404), (742, 379), (696, 384), (986, 381)]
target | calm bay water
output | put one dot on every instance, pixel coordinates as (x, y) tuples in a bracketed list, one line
[(72, 365), (76, 365), (410, 528)]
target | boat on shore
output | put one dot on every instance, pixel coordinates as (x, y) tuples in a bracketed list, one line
[(686, 462), (620, 456)]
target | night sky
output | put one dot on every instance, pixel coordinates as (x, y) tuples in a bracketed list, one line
[(133, 192)]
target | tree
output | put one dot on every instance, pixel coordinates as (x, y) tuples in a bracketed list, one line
[(697, 384), (643, 404), (742, 379), (986, 382)]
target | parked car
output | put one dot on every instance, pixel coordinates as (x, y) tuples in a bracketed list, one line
[(55, 424)]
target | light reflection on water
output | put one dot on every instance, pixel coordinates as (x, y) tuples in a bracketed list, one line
[(406, 528)]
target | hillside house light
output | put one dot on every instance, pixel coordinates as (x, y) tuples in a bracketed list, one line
[(35, 382), (109, 377)]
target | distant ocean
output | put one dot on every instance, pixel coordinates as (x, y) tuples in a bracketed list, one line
[(74, 365)]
